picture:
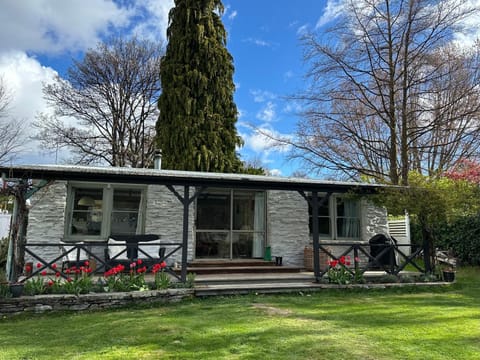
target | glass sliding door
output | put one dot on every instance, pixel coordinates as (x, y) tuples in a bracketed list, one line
[(230, 224), (213, 225)]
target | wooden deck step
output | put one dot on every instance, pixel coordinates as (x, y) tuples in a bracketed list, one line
[(244, 283), (247, 266), (229, 263), (252, 278), (242, 269)]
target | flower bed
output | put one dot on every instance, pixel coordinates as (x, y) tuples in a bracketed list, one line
[(80, 280), (76, 289)]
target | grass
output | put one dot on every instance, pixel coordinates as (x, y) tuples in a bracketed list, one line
[(407, 323)]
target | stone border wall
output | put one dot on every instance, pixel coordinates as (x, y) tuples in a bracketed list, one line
[(94, 301)]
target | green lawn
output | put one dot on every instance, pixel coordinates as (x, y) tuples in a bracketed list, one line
[(433, 323)]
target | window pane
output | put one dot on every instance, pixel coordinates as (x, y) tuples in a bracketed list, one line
[(213, 211), (125, 210), (348, 218), (348, 227), (242, 245), (248, 210), (212, 244), (87, 215)]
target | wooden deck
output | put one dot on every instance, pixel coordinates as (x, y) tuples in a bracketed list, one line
[(237, 277)]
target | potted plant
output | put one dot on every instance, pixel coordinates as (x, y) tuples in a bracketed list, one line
[(447, 264), (448, 274), (16, 288)]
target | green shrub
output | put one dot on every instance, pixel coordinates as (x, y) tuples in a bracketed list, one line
[(462, 236), (3, 251), (5, 291)]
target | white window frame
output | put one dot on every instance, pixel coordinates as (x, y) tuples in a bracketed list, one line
[(107, 207), (333, 217)]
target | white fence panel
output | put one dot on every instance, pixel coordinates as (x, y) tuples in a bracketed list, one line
[(4, 225), (400, 230)]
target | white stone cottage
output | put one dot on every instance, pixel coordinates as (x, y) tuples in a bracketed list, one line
[(218, 216)]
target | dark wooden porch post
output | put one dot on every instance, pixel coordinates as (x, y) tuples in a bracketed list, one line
[(315, 236), (186, 204), (315, 204), (186, 200)]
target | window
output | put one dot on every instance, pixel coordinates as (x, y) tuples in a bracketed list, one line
[(230, 224), (338, 218), (96, 211)]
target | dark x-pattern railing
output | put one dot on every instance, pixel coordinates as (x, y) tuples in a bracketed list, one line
[(376, 262), (102, 264)]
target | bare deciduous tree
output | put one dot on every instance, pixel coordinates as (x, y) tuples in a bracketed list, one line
[(11, 129), (105, 108), (374, 106)]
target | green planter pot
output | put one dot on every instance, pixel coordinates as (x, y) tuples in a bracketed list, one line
[(16, 290), (449, 276)]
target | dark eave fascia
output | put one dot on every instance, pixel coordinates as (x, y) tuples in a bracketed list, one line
[(179, 178)]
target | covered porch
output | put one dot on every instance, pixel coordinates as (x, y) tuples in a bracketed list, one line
[(186, 188)]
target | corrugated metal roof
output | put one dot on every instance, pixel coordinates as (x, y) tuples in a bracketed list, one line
[(171, 177)]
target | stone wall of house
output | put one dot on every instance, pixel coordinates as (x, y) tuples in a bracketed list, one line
[(288, 233), (46, 219), (164, 217), (88, 302), (374, 221), (288, 230)]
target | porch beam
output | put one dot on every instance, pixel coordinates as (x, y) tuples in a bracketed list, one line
[(315, 204), (186, 200)]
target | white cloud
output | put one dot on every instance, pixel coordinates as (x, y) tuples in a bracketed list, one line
[(274, 172), (55, 26), (294, 107), (267, 113), (471, 25), (260, 96), (262, 141), (51, 26), (332, 10), (153, 21), (302, 29), (258, 42), (24, 77), (233, 15)]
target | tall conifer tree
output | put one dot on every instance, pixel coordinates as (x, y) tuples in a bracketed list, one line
[(196, 127)]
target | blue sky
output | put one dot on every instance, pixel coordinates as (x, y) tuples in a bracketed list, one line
[(40, 37), (264, 41)]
